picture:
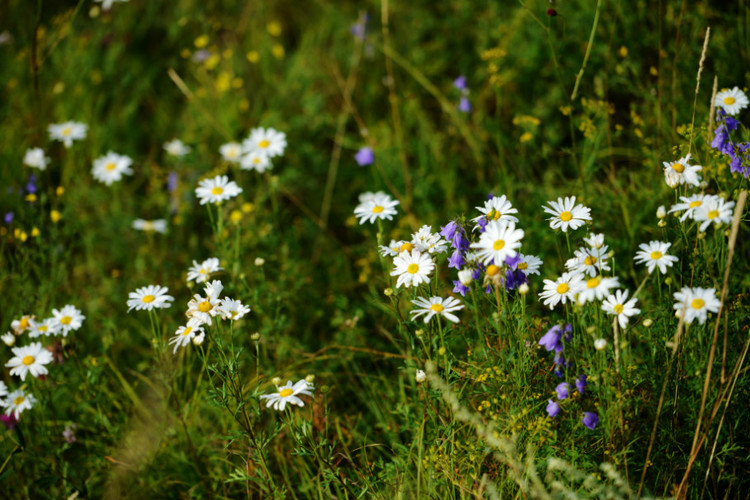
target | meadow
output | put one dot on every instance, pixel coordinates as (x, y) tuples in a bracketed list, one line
[(374, 249)]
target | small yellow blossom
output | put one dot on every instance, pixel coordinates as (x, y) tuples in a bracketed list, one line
[(60, 191), (623, 51), (274, 28), (55, 216), (253, 56), (278, 51), (201, 41), (35, 232)]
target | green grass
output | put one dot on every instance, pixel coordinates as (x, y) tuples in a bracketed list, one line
[(552, 116)]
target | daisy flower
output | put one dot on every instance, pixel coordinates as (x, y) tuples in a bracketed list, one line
[(696, 303), (29, 359), (436, 306), (731, 101), (35, 158), (216, 190), (379, 206), (149, 298), (186, 334), (412, 268), (370, 196), (716, 210), (17, 402), (589, 261), (204, 308), (529, 264), (655, 254), (396, 247), (201, 272), (256, 160), (47, 327), (596, 288), (111, 167), (3, 391), (499, 240), (690, 204), (9, 339), (594, 240), (175, 147), (107, 4), (231, 152), (496, 208), (566, 214), (267, 141), (681, 172), (560, 290), (155, 226), (22, 324), (288, 394), (425, 240), (67, 319), (232, 309), (67, 132), (619, 305)]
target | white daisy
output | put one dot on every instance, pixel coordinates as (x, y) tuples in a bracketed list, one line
[(436, 306), (596, 288), (175, 147), (496, 208), (690, 204), (412, 268), (731, 101), (155, 226), (379, 206), (396, 247), (107, 4), (425, 240), (35, 158), (68, 319), (186, 334), (696, 303), (681, 172), (216, 190), (67, 132), (9, 339), (257, 160), (655, 254), (566, 214), (148, 298), (231, 152), (591, 261), (715, 210), (268, 141), (370, 196), (47, 327), (288, 394), (3, 391), (22, 324), (201, 272), (619, 305), (560, 290), (29, 359), (111, 167), (499, 240), (232, 309), (529, 264), (594, 240), (18, 401), (204, 308)]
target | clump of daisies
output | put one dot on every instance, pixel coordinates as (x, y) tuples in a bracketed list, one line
[(260, 148)]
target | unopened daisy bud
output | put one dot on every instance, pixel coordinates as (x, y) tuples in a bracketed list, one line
[(610, 254), (419, 332), (324, 389), (600, 344), (441, 351), (465, 277), (662, 223), (678, 313), (591, 330), (198, 339), (259, 261), (661, 212), (523, 289), (648, 322), (668, 281), (9, 339), (276, 380), (255, 337), (310, 378), (420, 377), (388, 292)]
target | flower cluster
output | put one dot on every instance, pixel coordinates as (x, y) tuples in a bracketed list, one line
[(730, 103)]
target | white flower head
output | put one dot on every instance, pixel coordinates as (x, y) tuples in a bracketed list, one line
[(21, 324), (17, 402), (232, 309), (288, 394), (731, 101), (186, 334), (201, 272), (412, 268), (619, 305), (715, 210), (497, 208), (216, 190), (591, 261), (690, 204), (499, 240), (560, 290), (529, 264), (425, 240), (379, 206), (47, 327), (268, 141), (655, 254), (681, 172), (395, 247), (566, 214), (420, 376), (9, 339), (696, 303), (596, 288), (600, 344), (149, 297), (175, 147), (68, 319), (67, 132), (111, 167), (205, 308), (107, 4), (35, 158), (151, 226), (594, 240), (231, 152), (256, 160), (29, 359), (436, 306)]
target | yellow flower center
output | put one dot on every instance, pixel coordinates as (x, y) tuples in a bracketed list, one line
[(256, 160), (217, 190), (18, 400), (65, 320), (286, 392), (148, 299), (264, 144), (406, 247), (498, 245), (593, 282), (492, 270), (656, 255), (566, 216), (698, 303), (43, 328), (187, 331), (28, 360), (493, 214), (148, 225), (412, 269), (562, 288), (377, 209), (618, 308), (24, 323), (590, 260), (437, 308), (695, 203), (729, 101), (678, 167), (712, 214), (110, 166), (232, 153), (203, 271), (66, 131), (205, 306), (523, 265)]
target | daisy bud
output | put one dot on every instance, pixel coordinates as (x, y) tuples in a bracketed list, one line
[(388, 292), (523, 289), (259, 261), (419, 332), (441, 351), (310, 378), (276, 380), (420, 377), (255, 337), (648, 322), (591, 330), (198, 339), (668, 281), (9, 339), (600, 344), (465, 277), (662, 223), (661, 212)]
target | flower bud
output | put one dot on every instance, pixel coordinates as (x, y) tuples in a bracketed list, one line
[(420, 376), (661, 212), (523, 289), (259, 261), (388, 292), (648, 322), (255, 337), (276, 381), (600, 344), (465, 277), (310, 378)]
